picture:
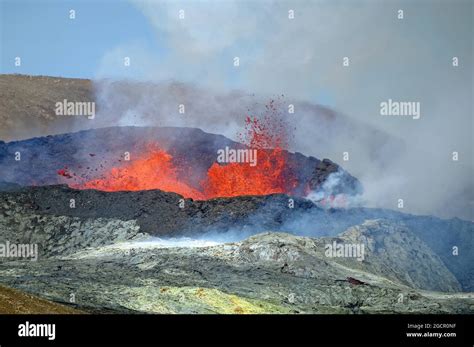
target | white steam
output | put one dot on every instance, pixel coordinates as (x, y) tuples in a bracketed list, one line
[(327, 196), (301, 58)]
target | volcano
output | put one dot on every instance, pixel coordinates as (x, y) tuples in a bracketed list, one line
[(136, 218), (179, 160)]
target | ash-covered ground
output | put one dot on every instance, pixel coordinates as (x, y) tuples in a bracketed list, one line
[(140, 252)]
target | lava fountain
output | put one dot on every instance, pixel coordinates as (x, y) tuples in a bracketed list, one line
[(154, 168)]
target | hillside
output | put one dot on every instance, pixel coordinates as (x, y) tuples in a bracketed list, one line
[(13, 301)]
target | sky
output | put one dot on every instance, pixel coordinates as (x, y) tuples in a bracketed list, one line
[(50, 43), (93, 44), (405, 59)]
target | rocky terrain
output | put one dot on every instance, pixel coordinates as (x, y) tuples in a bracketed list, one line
[(110, 264), (267, 273), (158, 213)]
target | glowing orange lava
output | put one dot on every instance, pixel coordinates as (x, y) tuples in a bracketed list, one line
[(269, 176), (235, 179), (156, 170)]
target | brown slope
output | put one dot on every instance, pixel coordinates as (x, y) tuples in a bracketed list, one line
[(13, 301)]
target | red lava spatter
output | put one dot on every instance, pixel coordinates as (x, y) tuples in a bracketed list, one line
[(155, 169)]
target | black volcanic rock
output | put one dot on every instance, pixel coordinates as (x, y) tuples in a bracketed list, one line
[(266, 273), (158, 213), (91, 153)]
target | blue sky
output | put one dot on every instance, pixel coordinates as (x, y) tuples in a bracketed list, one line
[(93, 44), (50, 43), (300, 58)]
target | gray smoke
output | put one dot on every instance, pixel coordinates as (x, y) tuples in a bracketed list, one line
[(407, 59)]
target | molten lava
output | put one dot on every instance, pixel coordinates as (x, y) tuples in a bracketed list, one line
[(155, 169), (235, 179), (269, 176)]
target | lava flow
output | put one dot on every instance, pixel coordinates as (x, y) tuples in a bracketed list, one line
[(155, 169), (269, 176)]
